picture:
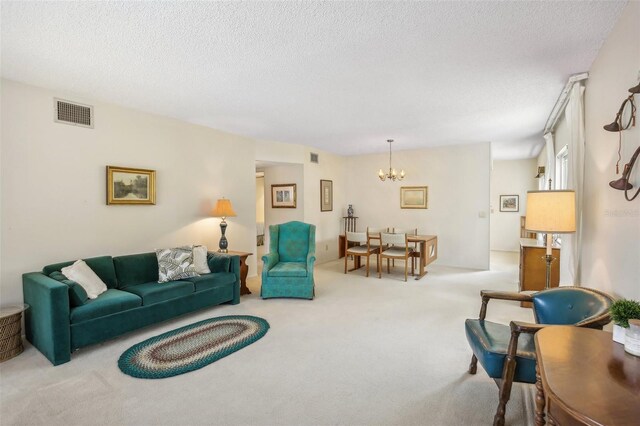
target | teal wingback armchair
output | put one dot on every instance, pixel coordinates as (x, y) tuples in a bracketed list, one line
[(288, 267), (507, 352)]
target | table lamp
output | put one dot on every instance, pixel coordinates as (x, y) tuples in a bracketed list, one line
[(551, 212), (223, 209)]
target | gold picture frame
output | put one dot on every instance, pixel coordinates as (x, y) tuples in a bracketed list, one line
[(130, 186), (414, 197), (283, 196)]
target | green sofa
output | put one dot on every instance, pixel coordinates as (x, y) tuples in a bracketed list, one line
[(58, 323)]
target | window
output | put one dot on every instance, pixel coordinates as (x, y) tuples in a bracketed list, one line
[(562, 168)]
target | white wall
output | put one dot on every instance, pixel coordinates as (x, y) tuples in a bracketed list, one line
[(292, 174), (611, 238), (458, 178), (260, 199), (53, 184), (510, 177), (331, 167)]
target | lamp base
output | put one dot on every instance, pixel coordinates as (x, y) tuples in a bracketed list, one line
[(547, 282), (223, 240)]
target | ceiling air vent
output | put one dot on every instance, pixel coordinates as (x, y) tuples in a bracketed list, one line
[(314, 158), (73, 113)]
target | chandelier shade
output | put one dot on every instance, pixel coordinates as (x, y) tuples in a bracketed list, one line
[(392, 174)]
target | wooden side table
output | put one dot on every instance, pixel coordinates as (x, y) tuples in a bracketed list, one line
[(584, 377), (244, 270)]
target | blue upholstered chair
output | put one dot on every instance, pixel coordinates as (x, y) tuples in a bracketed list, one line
[(508, 356), (288, 267)]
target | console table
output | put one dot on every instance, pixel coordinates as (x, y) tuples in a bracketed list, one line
[(585, 378)]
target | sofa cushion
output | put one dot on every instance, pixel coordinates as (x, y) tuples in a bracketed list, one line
[(85, 277), (110, 302), (218, 262), (175, 264), (77, 295), (213, 280), (200, 259), (136, 269), (288, 269), (155, 292), (102, 266)]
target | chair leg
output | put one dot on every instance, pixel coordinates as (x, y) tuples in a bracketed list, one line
[(406, 265), (346, 256), (473, 367), (367, 274), (507, 380), (379, 267)]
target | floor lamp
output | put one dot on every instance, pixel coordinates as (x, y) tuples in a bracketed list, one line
[(223, 209), (551, 212)]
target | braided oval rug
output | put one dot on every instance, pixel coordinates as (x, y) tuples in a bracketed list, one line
[(191, 347)]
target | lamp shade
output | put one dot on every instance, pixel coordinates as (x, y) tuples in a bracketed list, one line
[(223, 208), (551, 212)]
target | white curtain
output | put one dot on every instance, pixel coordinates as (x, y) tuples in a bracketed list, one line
[(571, 243), (550, 168)]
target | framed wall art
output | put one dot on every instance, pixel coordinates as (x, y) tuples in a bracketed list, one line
[(509, 203), (413, 197), (326, 195), (283, 196), (130, 186)]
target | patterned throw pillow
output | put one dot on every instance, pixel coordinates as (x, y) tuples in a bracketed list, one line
[(175, 264)]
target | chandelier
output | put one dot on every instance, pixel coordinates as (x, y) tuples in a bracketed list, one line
[(392, 175)]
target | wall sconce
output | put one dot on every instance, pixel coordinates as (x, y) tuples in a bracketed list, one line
[(618, 124), (623, 184)]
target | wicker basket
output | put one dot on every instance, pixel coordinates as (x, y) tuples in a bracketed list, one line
[(10, 336)]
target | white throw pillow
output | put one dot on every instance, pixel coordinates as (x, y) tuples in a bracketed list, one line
[(200, 260), (81, 273)]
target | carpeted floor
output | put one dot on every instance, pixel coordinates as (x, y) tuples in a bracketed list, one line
[(364, 352)]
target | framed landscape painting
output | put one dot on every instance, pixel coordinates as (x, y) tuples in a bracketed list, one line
[(413, 197), (130, 186), (326, 195), (283, 196), (509, 203)]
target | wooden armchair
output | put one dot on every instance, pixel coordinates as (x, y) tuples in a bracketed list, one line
[(507, 353)]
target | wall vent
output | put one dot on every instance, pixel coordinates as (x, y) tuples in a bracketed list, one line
[(314, 158), (73, 113)]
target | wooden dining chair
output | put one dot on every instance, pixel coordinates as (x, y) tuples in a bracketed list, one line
[(416, 252), (362, 248), (374, 235), (397, 247)]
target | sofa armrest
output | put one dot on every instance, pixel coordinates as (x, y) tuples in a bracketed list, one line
[(270, 260), (47, 324)]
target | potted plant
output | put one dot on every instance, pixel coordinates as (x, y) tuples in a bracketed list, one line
[(621, 312)]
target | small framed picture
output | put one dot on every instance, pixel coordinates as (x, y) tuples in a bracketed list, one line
[(509, 203), (326, 195), (283, 196), (413, 197), (130, 186)]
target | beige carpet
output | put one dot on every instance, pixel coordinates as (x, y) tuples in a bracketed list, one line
[(364, 352)]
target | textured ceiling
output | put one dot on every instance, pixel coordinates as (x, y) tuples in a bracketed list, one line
[(340, 76)]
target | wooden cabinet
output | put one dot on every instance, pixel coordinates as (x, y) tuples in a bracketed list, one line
[(533, 266)]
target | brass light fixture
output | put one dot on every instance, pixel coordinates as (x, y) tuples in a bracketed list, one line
[(392, 175)]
